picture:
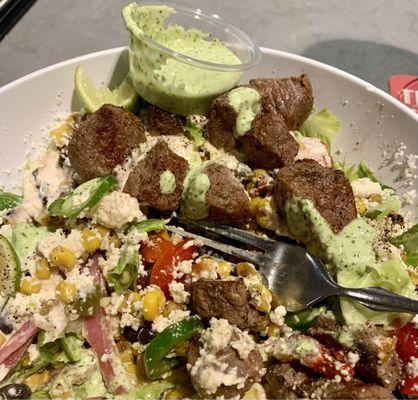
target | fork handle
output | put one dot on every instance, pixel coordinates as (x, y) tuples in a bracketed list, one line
[(380, 299)]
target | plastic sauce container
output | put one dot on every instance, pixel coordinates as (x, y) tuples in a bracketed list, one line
[(181, 59)]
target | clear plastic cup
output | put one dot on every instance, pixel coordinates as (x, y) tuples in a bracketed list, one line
[(178, 82)]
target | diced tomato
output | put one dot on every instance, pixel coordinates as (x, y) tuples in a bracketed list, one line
[(155, 247), (162, 271), (409, 386), (329, 363), (407, 344)]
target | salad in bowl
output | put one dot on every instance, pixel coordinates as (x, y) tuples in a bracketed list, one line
[(100, 300)]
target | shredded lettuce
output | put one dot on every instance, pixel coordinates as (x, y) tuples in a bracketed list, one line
[(392, 203), (194, 132), (124, 275), (391, 275), (357, 171), (147, 392), (9, 200), (409, 241), (323, 125), (303, 320)]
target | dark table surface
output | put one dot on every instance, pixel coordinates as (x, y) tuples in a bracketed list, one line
[(372, 39)]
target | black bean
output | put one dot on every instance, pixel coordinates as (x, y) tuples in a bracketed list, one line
[(130, 334), (4, 326), (15, 391), (145, 335)]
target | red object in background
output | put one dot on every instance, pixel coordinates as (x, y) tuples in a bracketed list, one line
[(405, 89)]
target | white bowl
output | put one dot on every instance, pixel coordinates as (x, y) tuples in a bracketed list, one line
[(369, 117)]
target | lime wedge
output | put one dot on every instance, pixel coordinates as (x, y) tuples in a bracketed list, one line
[(124, 95)]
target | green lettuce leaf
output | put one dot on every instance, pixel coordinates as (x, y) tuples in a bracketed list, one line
[(194, 132), (391, 204), (357, 171), (147, 392), (391, 275), (124, 275), (409, 241), (323, 125)]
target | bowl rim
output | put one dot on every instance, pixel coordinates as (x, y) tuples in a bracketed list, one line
[(214, 19), (264, 50)]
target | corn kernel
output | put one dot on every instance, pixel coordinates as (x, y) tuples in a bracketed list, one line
[(259, 172), (26, 363), (152, 304), (375, 197), (91, 241), (103, 231), (35, 381), (179, 393), (264, 297), (59, 134), (131, 302), (273, 330), (223, 269), (255, 204), (165, 235), (170, 306), (131, 370), (115, 241), (42, 269), (206, 266), (30, 286), (246, 269), (62, 258), (126, 356), (66, 292), (361, 207), (249, 186), (2, 339)]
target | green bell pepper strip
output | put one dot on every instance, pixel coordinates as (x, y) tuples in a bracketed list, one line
[(9, 200), (124, 275), (303, 320), (87, 195), (148, 225), (155, 361), (9, 268)]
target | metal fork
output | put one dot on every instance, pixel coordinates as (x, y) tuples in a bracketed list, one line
[(295, 276)]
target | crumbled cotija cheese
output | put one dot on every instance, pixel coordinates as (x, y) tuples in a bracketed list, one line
[(161, 322), (73, 242), (277, 315), (117, 209), (178, 293), (364, 187)]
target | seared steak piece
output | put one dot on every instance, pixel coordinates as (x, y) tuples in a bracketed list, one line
[(283, 381), (221, 123), (144, 181), (249, 369), (104, 140), (161, 122), (324, 330), (379, 363), (269, 144), (227, 200), (224, 299), (327, 188), (292, 97)]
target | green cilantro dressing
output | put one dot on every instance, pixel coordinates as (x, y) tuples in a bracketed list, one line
[(247, 104), (167, 182), (352, 258), (169, 83), (196, 185)]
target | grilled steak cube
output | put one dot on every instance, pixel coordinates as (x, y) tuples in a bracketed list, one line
[(161, 122)]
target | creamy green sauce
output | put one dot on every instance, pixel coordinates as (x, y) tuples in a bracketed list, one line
[(351, 258), (168, 83), (194, 197), (247, 104), (167, 182), (196, 185)]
